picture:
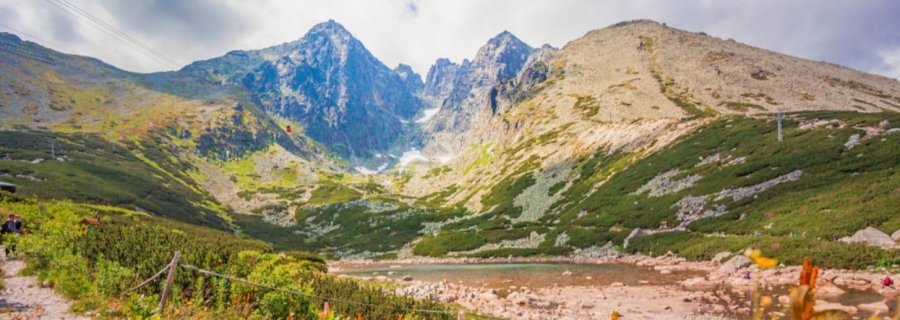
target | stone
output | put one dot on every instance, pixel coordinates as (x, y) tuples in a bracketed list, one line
[(871, 236), (876, 307), (637, 232), (896, 236), (567, 273), (828, 291), (721, 256), (735, 264), (852, 141), (784, 299), (617, 285), (407, 278), (698, 283)]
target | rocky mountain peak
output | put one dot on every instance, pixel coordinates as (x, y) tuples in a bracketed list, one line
[(412, 79), (440, 77), (329, 27), (505, 54), (342, 95)]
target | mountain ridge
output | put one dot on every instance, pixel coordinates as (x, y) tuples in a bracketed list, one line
[(529, 150)]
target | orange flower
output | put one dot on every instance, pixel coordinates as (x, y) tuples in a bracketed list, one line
[(809, 274), (615, 315)]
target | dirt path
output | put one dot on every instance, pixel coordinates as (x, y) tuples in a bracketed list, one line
[(22, 297)]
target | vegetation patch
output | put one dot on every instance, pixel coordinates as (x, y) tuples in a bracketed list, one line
[(741, 106)]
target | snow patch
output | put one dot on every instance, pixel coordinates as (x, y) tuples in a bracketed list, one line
[(428, 114), (367, 171), (445, 159), (410, 156)]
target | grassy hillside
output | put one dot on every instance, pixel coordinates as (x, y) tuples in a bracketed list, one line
[(91, 169), (732, 177)]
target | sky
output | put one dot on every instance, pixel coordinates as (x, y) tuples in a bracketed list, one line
[(861, 34)]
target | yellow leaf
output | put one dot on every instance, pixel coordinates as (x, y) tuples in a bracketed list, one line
[(760, 260)]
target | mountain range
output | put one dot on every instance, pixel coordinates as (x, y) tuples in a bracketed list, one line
[(627, 135)]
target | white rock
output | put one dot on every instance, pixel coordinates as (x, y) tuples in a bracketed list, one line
[(735, 263), (826, 291), (896, 236), (872, 237), (698, 283), (721, 256)]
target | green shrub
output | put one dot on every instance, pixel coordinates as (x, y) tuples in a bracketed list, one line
[(445, 242), (111, 278)]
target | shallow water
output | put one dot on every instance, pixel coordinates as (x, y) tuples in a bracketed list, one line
[(532, 275)]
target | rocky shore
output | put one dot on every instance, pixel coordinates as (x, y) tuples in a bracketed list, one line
[(722, 293)]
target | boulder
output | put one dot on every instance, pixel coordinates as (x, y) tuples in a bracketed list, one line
[(407, 278), (721, 256), (896, 236), (871, 236), (735, 263), (827, 291)]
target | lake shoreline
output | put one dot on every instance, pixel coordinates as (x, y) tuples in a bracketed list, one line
[(720, 293)]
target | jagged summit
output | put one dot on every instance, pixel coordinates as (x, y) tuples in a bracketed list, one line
[(412, 80), (329, 27)]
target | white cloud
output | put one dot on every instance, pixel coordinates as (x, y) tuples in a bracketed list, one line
[(417, 32), (891, 67)]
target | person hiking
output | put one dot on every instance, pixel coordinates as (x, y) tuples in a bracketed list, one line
[(12, 227)]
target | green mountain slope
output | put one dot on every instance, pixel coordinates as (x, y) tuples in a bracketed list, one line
[(731, 178)]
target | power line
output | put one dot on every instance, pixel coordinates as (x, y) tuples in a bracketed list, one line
[(23, 33), (111, 33), (25, 50), (117, 31)]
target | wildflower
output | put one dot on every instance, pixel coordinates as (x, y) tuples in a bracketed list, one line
[(808, 274), (760, 260), (615, 315), (766, 301)]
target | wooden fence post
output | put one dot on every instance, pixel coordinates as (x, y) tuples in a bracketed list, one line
[(170, 279)]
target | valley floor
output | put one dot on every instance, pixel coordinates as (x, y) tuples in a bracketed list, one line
[(23, 297), (721, 291)]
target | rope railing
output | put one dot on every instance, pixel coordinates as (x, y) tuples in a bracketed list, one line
[(154, 277)]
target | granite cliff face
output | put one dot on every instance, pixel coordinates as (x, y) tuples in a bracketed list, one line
[(464, 90), (341, 95)]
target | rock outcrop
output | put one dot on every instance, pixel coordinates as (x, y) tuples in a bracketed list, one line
[(871, 236)]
